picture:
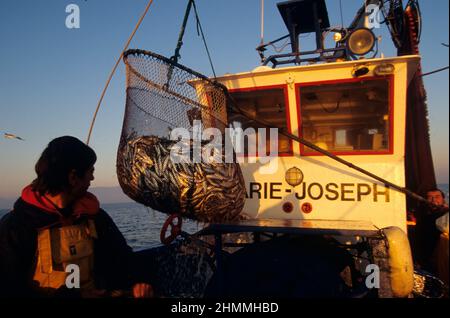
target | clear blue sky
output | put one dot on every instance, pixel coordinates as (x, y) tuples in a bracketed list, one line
[(51, 77)]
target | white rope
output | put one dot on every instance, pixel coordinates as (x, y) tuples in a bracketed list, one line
[(114, 69)]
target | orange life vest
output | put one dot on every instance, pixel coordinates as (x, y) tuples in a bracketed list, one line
[(60, 247)]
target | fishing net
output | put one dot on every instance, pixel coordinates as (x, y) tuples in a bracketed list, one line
[(164, 99)]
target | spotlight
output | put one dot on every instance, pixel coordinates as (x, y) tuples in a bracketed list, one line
[(337, 37), (361, 41)]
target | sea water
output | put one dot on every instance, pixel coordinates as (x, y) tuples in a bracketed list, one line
[(140, 225)]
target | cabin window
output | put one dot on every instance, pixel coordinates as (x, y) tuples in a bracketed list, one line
[(268, 105), (347, 117)]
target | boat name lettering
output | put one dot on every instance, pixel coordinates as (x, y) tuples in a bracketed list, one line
[(346, 192)]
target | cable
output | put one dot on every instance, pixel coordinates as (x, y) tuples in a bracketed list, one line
[(203, 37), (114, 69), (436, 71), (282, 47)]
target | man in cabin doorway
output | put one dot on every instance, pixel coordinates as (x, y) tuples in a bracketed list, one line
[(57, 241), (436, 197), (440, 257), (427, 233)]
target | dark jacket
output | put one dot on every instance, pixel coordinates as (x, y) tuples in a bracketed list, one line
[(113, 258), (426, 235)]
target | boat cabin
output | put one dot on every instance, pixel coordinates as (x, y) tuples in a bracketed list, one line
[(353, 109)]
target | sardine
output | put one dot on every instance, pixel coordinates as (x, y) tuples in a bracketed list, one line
[(203, 191)]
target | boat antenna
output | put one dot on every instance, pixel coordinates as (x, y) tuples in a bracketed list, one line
[(262, 22), (342, 15), (115, 67)]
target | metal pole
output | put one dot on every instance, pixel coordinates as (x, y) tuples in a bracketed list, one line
[(262, 22), (181, 35)]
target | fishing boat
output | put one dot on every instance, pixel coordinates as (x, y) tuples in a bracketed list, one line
[(327, 215)]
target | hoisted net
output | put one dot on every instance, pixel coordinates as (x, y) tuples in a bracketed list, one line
[(162, 96)]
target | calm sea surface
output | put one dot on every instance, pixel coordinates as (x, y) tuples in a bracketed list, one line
[(142, 226)]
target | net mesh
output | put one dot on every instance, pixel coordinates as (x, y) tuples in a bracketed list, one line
[(163, 96)]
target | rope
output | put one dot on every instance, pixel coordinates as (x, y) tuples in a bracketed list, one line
[(114, 69), (342, 16), (436, 71), (199, 26)]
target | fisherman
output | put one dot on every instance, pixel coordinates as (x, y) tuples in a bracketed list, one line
[(441, 253), (427, 233), (57, 241)]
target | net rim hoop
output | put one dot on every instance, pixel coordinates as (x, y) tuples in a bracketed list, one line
[(137, 52)]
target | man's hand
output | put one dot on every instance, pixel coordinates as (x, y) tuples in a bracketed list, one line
[(142, 290)]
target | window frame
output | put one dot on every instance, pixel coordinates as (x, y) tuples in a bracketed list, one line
[(284, 88), (389, 78)]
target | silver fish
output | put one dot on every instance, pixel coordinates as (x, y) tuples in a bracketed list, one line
[(202, 191)]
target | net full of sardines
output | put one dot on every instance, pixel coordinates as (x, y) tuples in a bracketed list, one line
[(164, 161)]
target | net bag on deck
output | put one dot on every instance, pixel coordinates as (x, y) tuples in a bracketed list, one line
[(163, 96)]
